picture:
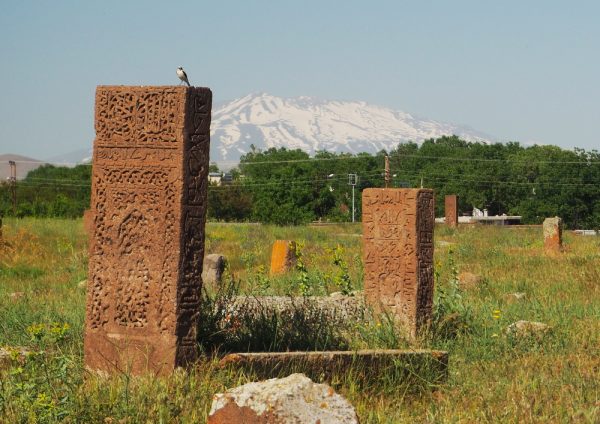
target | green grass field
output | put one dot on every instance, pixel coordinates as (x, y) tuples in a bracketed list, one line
[(493, 377)]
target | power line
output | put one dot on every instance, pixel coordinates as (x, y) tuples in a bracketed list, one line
[(370, 157)]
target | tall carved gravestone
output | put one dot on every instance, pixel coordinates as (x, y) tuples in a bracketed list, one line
[(451, 210), (553, 235), (149, 183), (398, 253)]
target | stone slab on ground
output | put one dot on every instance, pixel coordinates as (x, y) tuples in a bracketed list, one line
[(328, 365), (289, 400), (337, 309)]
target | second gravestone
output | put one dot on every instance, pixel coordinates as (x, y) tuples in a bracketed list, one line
[(451, 210), (149, 184), (398, 254)]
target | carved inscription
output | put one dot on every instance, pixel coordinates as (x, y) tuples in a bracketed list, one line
[(398, 253), (149, 202), (451, 210)]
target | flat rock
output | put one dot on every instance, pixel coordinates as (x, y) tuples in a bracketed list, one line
[(292, 400), (468, 280), (514, 297), (527, 328)]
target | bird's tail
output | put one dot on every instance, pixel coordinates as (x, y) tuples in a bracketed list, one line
[(187, 82)]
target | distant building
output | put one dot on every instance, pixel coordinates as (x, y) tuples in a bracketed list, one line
[(227, 179), (482, 217), (214, 178)]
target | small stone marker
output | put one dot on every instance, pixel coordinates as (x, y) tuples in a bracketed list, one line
[(451, 210), (283, 256), (294, 399), (398, 253), (553, 235), (213, 268), (88, 221), (150, 174)]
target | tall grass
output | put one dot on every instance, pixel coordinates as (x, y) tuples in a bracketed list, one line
[(493, 378)]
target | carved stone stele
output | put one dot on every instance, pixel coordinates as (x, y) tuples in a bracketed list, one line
[(553, 235), (283, 256), (149, 184), (398, 254), (451, 210)]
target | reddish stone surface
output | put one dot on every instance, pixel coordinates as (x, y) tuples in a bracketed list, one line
[(398, 253), (234, 414), (451, 210), (283, 256), (289, 400), (553, 235), (88, 221), (149, 181)]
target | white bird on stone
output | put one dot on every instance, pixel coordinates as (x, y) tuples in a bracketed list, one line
[(182, 76)]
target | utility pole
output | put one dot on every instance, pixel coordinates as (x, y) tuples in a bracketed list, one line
[(13, 184), (386, 175), (352, 180)]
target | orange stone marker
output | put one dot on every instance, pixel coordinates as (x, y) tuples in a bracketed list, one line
[(150, 173), (553, 235), (283, 256), (451, 210), (398, 254), (88, 221)]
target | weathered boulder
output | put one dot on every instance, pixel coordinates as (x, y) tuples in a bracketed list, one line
[(468, 280), (213, 268), (294, 399), (527, 329)]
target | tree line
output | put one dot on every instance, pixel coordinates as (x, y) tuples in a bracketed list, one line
[(284, 186)]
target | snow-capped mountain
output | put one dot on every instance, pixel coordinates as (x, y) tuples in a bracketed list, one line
[(311, 124), (308, 124)]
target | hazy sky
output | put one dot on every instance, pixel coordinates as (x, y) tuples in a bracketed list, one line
[(517, 70)]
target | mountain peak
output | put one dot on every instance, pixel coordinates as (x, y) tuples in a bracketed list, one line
[(311, 124)]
